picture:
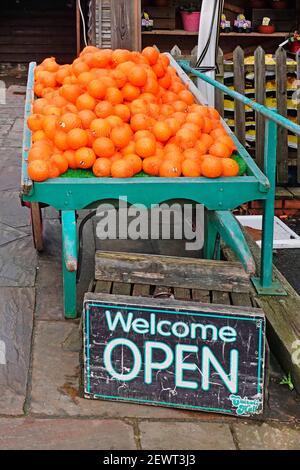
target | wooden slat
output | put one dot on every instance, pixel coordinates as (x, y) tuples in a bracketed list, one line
[(242, 300), (283, 193), (121, 288), (295, 192), (162, 291), (221, 298), (141, 290), (182, 294), (219, 96), (103, 286), (199, 295), (171, 271), (126, 24), (281, 91), (239, 86), (260, 97)]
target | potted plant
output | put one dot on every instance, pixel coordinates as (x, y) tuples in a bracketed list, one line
[(190, 14), (294, 42)]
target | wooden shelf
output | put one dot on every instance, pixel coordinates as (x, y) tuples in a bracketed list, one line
[(181, 32)]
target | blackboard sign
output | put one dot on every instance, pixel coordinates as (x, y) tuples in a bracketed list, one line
[(172, 353)]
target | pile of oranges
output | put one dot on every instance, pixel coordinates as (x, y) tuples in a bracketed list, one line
[(118, 113)]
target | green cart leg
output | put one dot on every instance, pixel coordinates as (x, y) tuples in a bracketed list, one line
[(69, 261), (265, 285), (210, 237)]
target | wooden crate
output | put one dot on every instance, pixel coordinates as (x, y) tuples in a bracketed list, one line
[(163, 17)]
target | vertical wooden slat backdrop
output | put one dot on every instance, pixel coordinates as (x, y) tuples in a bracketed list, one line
[(239, 86), (219, 96), (260, 97), (281, 93), (126, 24)]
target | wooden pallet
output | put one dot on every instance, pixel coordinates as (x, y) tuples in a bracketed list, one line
[(206, 281)]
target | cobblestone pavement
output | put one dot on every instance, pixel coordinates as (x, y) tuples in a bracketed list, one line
[(40, 406)]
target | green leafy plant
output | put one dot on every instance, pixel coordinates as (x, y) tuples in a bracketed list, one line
[(287, 380), (191, 7)]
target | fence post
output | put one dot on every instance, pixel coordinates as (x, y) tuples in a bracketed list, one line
[(219, 96), (281, 93), (260, 97), (298, 113), (239, 86)]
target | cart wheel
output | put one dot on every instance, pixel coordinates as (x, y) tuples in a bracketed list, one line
[(37, 226)]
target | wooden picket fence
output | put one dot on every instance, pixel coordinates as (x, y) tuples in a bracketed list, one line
[(239, 69)]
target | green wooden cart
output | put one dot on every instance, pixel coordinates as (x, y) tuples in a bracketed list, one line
[(219, 196)]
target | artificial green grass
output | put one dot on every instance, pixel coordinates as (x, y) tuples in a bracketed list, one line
[(89, 174)]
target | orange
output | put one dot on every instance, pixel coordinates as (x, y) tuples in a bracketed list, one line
[(186, 138), (100, 127), (120, 55), (38, 135), (169, 169), (201, 147), (226, 140), (85, 101), (77, 138), (218, 133), (35, 122), (121, 136), (38, 170), (79, 67), (193, 127), (180, 106), (207, 125), (172, 148), (145, 147), (151, 165), (103, 147), (230, 167), (195, 118), (102, 167), (60, 161), (165, 81), (69, 121), (130, 92), (158, 69), (85, 157), (38, 105), (121, 169), (137, 76), (206, 140), (130, 148), (180, 117), (50, 64), (61, 140), (58, 101), (173, 124), (220, 150), (143, 133), (191, 168), (212, 167), (53, 170), (139, 122), (51, 110), (186, 96), (162, 131), (86, 117), (151, 54), (114, 96), (114, 121), (62, 73), (138, 106), (85, 78), (70, 156), (192, 154), (119, 77), (39, 153), (100, 59), (135, 162), (122, 111), (69, 108), (96, 89), (151, 86), (116, 156), (104, 109), (213, 113), (70, 92)]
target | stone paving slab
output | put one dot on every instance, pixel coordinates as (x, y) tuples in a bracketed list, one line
[(11, 156), (187, 436), (18, 263), (11, 211), (10, 176), (8, 234), (49, 281), (16, 322), (65, 434), (55, 383), (266, 437)]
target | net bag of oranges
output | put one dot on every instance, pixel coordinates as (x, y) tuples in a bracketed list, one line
[(119, 113)]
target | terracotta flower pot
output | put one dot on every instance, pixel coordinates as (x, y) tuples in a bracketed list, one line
[(266, 29)]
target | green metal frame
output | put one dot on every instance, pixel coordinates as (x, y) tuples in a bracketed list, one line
[(219, 196)]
